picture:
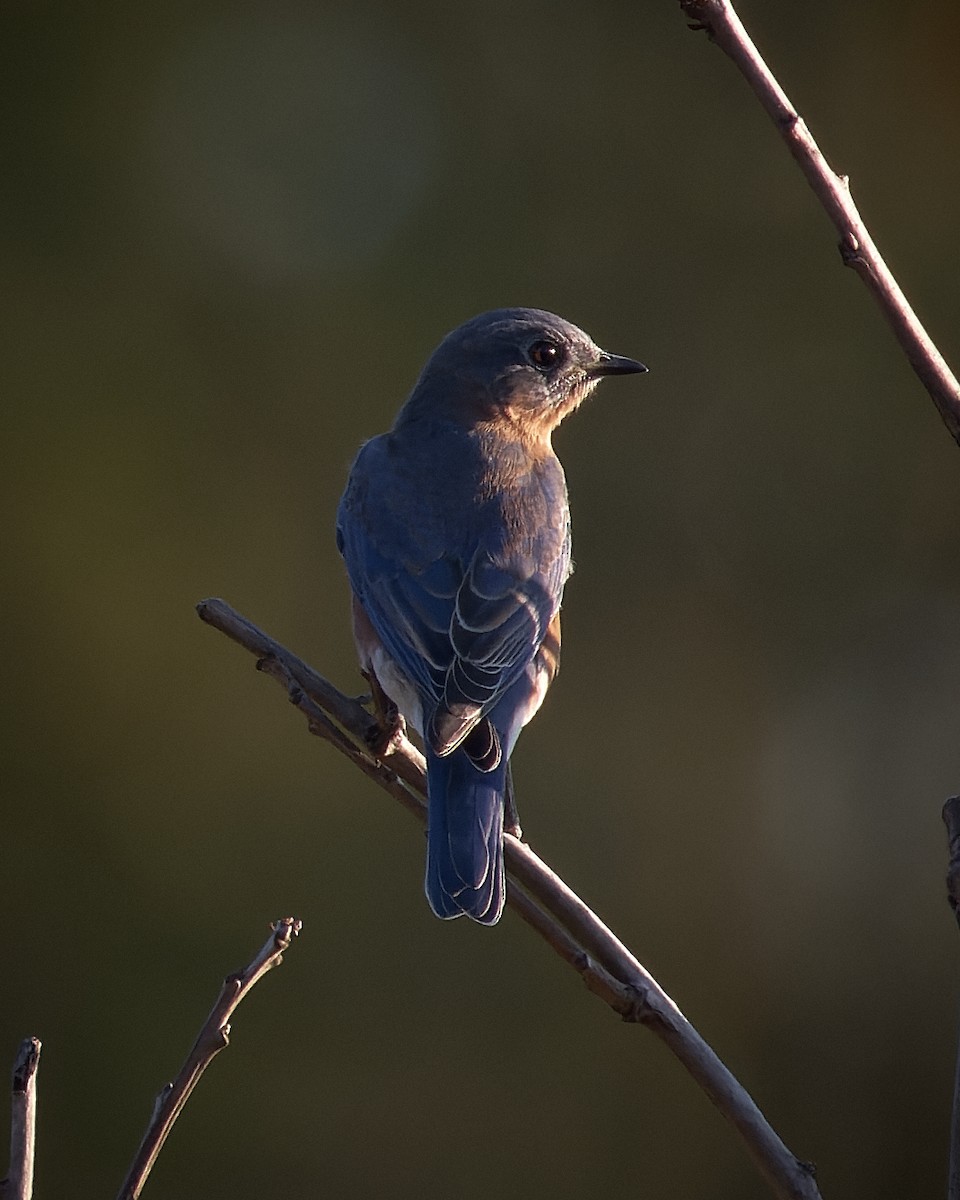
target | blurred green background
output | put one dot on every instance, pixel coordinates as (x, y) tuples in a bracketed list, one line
[(230, 235)]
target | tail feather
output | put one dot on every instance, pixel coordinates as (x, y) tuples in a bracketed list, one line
[(465, 839)]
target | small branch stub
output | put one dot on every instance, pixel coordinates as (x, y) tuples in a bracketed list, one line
[(23, 1122)]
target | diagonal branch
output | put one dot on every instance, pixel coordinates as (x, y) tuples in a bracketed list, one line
[(857, 248), (18, 1184), (951, 818), (537, 895), (213, 1036)]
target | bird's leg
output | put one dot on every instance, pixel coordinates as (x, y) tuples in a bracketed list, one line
[(391, 728), (511, 818)]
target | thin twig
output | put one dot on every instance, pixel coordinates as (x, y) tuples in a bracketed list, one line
[(213, 1036), (23, 1122), (951, 818), (857, 248), (542, 899)]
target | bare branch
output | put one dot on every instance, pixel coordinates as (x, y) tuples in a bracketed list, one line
[(951, 818), (23, 1122), (213, 1036), (857, 248), (538, 896)]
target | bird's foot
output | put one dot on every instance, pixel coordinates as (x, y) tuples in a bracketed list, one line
[(389, 731), (391, 728)]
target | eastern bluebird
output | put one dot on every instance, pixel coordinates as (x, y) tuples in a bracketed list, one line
[(455, 531)]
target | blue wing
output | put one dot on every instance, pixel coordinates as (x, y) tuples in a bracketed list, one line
[(460, 602)]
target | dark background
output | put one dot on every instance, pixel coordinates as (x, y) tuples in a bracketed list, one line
[(230, 235)]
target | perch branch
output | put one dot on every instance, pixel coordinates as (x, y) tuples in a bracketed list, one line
[(951, 818), (857, 248), (213, 1036), (18, 1184), (542, 899)]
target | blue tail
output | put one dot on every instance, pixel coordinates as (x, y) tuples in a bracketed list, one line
[(465, 838)]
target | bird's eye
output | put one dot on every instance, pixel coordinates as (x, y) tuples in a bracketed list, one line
[(545, 355)]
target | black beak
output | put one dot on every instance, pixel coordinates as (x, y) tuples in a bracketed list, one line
[(614, 364)]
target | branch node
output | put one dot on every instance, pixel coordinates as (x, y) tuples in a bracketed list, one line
[(698, 17), (640, 1010), (284, 931), (26, 1063), (160, 1099), (851, 252)]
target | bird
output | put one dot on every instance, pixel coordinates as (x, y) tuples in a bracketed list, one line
[(454, 527)]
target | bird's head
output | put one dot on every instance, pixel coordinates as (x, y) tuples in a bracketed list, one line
[(522, 369)]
